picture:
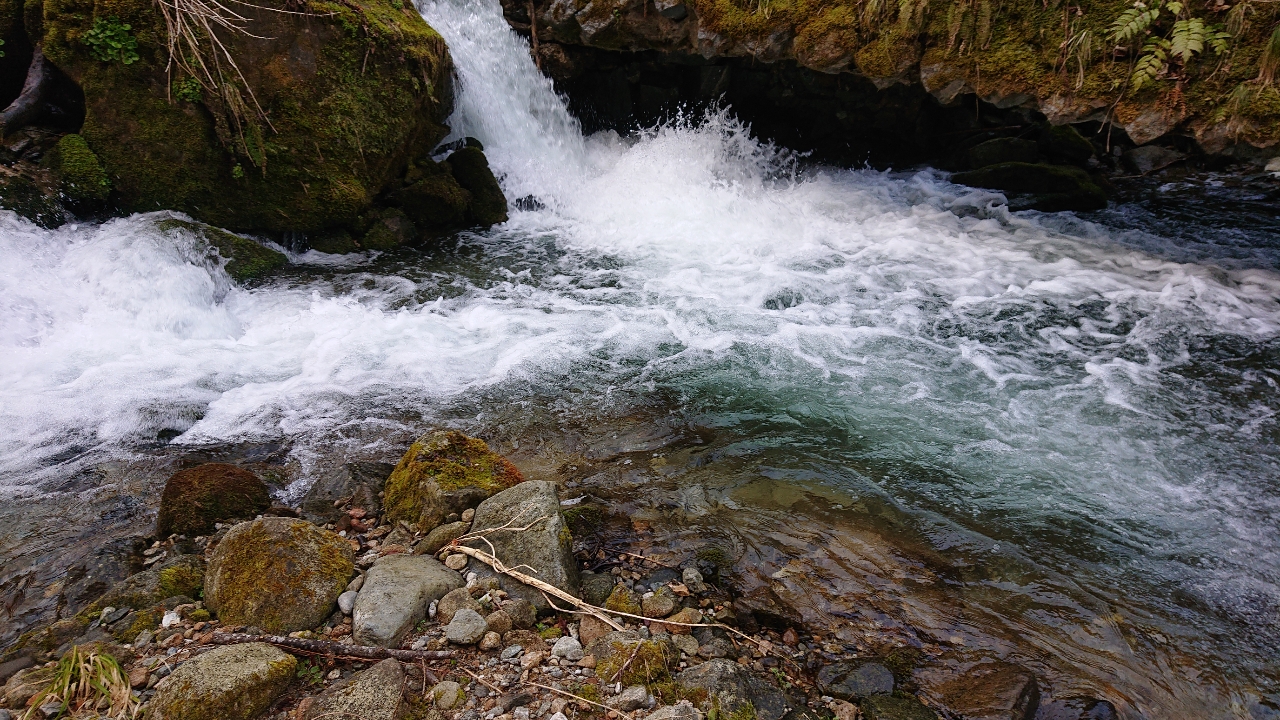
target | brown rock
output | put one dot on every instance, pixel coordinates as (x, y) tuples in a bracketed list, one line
[(990, 690), (522, 613), (196, 498), (499, 621), (530, 641), (592, 629), (491, 641), (452, 602), (138, 677), (687, 615), (456, 562)]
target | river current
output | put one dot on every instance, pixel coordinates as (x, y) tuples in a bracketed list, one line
[(1090, 400)]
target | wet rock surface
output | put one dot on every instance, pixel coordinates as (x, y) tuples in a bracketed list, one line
[(196, 498)]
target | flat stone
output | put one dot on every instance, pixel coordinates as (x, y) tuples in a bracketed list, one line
[(447, 695), (453, 601), (1150, 158), (397, 592), (631, 698), (372, 694), (546, 546), (568, 648), (719, 647), (735, 687), (855, 679), (683, 710), (686, 644), (686, 615), (511, 652), (347, 601), (233, 682), (466, 628), (441, 536), (590, 629)]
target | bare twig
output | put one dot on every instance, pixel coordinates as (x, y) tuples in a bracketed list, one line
[(482, 681), (576, 697), (368, 652), (650, 559)]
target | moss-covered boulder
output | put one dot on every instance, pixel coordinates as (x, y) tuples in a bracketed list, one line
[(280, 574), (182, 575), (31, 201), (234, 682), (197, 497), (82, 182), (1034, 186), (322, 112), (445, 472), (1064, 144), (245, 259)]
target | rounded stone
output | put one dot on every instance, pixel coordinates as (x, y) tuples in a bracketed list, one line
[(453, 601), (280, 574), (456, 561), (448, 695), (196, 498), (491, 641), (347, 601), (499, 622), (466, 627)]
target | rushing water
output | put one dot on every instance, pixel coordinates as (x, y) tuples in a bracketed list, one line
[(1045, 391)]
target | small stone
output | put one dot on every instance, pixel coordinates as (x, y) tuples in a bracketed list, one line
[(587, 661), (491, 641), (687, 615), (512, 652), (531, 660), (499, 621), (567, 648), (454, 601), (691, 576), (596, 588), (356, 583), (144, 638), (558, 716), (447, 695), (466, 627), (456, 562), (716, 648), (468, 515), (592, 629), (852, 680), (789, 637), (632, 698), (347, 601), (522, 612), (686, 644), (334, 674), (683, 710), (844, 710), (138, 677), (660, 604)]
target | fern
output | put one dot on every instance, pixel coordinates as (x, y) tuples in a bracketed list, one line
[(1187, 40), (1133, 22), (1154, 60)]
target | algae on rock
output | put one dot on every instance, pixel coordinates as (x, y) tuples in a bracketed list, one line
[(246, 259), (445, 472), (195, 498)]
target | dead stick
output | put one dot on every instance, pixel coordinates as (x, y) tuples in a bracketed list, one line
[(627, 664), (333, 648), (576, 697), (481, 681)]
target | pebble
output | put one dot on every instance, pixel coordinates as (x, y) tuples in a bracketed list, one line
[(447, 695), (456, 562), (468, 515), (520, 713), (466, 627), (356, 584), (491, 641), (334, 674), (347, 601), (558, 716), (513, 651), (632, 698), (568, 648)]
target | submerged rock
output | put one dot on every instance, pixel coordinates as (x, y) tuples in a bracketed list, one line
[(1150, 158), (372, 694), (195, 498), (1003, 150), (989, 690), (545, 545), (886, 707), (397, 591), (445, 472), (235, 682), (279, 574), (855, 679), (1050, 188)]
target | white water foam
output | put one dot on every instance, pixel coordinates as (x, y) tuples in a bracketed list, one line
[(1051, 375)]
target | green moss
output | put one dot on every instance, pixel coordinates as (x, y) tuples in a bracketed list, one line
[(148, 619), (715, 555), (584, 519), (182, 579), (650, 664), (197, 616), (670, 692), (82, 181), (551, 632), (196, 498), (623, 599), (246, 260), (441, 462), (27, 199), (746, 711)]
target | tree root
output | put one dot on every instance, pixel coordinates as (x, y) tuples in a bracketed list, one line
[(27, 107), (329, 647)]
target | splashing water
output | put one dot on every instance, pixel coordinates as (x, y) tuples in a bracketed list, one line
[(1106, 413)]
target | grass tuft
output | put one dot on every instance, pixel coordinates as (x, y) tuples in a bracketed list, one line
[(87, 679)]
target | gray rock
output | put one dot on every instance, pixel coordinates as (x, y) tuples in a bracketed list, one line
[(632, 698), (718, 648), (683, 710), (440, 537), (1150, 158), (660, 604), (886, 707), (546, 547), (522, 612), (447, 695), (568, 648), (466, 628), (511, 652), (596, 588), (854, 679), (356, 583), (233, 682), (359, 481), (5, 715), (686, 644), (347, 601), (734, 687), (396, 593), (453, 601), (372, 694)]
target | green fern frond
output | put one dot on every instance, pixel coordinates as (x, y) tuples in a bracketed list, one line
[(1219, 40), (1187, 40), (1147, 69), (1133, 22)]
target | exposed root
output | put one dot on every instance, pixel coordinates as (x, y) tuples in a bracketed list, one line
[(27, 107)]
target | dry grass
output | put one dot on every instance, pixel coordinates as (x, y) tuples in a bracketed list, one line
[(87, 680)]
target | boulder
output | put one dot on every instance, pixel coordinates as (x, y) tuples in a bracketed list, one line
[(471, 170), (546, 545), (195, 498), (1003, 150), (453, 601), (372, 694), (440, 537), (1150, 158), (326, 110), (245, 259), (466, 627), (180, 575), (357, 483), (734, 687), (855, 679), (280, 574), (1031, 186), (886, 707), (233, 682), (1063, 144), (985, 690), (445, 472), (397, 591)]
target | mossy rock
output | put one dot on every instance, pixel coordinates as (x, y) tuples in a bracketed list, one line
[(81, 180), (133, 624), (30, 201), (471, 169), (349, 92), (233, 682), (650, 660), (391, 229), (1035, 186), (195, 498), (888, 707), (1062, 143), (432, 197), (1003, 150), (182, 575), (246, 259), (623, 599), (445, 472), (280, 574)]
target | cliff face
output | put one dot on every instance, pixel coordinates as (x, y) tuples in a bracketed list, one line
[(1063, 60)]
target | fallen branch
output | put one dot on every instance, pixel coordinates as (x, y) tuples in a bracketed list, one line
[(577, 697), (330, 647)]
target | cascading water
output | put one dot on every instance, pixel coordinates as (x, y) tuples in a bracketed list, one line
[(1025, 388)]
